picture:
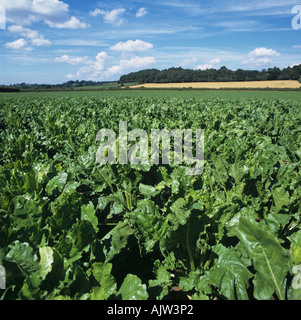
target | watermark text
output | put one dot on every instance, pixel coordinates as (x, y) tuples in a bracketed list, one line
[(2, 17), (296, 22), (138, 152), (296, 283), (2, 278)]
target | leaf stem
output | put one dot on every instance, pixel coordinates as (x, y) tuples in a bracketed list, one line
[(192, 265), (108, 183)]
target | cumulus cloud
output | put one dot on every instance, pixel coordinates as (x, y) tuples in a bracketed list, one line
[(258, 62), (99, 69), (112, 17), (205, 66), (97, 12), (210, 65), (188, 62), (73, 23), (131, 64), (73, 60), (141, 12), (264, 52), (18, 44), (25, 32), (41, 42), (92, 71), (215, 61), (130, 46), (261, 57), (36, 39), (54, 13), (49, 7)]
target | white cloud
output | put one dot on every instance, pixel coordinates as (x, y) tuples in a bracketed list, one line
[(295, 64), (41, 42), (100, 70), (204, 66), (36, 39), (215, 61), (73, 23), (112, 17), (25, 32), (49, 7), (264, 52), (101, 60), (95, 69), (131, 45), (73, 60), (52, 12), (188, 62), (18, 44), (97, 12), (124, 66), (210, 65), (131, 64), (261, 57), (141, 12), (258, 62)]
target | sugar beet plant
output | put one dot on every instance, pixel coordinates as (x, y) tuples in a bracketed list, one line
[(72, 229)]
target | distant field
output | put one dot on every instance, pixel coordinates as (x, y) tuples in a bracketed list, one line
[(186, 94), (112, 85), (278, 84)]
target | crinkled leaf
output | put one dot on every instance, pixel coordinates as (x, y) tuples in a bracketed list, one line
[(83, 234), (148, 190), (26, 212), (132, 289), (230, 275), (88, 213), (183, 241), (295, 249), (65, 212), (268, 256), (30, 182), (57, 184), (180, 212), (23, 255), (281, 198), (117, 238), (52, 267), (102, 274), (80, 283), (150, 224)]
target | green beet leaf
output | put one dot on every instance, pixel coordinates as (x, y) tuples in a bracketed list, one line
[(88, 213), (230, 275), (52, 267), (57, 184), (24, 257), (117, 238), (132, 289), (107, 284), (268, 256)]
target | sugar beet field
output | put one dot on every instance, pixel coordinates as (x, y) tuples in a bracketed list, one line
[(72, 229)]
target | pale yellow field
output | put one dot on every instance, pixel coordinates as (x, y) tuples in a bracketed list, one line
[(278, 84)]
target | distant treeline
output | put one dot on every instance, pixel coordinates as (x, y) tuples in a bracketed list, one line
[(70, 85), (172, 75), (176, 75), (9, 89)]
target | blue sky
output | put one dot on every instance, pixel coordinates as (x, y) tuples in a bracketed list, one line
[(52, 41)]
